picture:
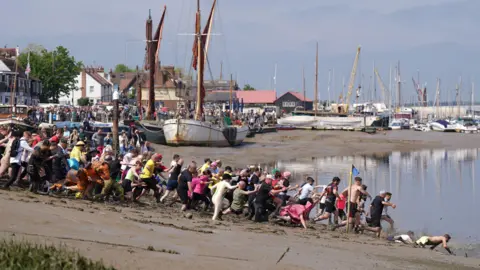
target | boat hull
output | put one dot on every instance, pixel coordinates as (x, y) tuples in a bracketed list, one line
[(153, 134), (325, 121), (187, 132)]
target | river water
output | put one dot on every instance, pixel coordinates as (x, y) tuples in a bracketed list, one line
[(435, 190)]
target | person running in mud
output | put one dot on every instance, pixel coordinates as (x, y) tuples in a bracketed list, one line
[(434, 241), (353, 192), (331, 194), (376, 210), (385, 215)]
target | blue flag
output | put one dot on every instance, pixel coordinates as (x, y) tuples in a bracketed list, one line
[(355, 172)]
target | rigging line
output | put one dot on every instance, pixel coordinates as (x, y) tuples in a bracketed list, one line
[(209, 69), (188, 21), (224, 42), (182, 7)]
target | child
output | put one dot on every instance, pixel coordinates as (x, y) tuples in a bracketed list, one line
[(340, 211)]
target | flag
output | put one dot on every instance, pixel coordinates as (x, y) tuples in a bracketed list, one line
[(17, 50), (28, 69), (355, 171)]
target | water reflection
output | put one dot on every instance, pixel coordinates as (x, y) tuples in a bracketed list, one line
[(434, 189)]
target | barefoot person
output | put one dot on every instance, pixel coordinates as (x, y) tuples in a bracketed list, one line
[(353, 193), (434, 241), (331, 194)]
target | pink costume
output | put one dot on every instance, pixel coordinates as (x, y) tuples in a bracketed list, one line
[(294, 211)]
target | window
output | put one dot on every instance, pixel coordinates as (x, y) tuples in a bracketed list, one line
[(91, 89), (289, 104)]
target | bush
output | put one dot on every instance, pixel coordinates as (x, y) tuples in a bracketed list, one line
[(24, 255)]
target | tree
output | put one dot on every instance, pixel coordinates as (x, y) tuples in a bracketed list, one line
[(121, 68), (56, 69), (83, 101), (248, 87)]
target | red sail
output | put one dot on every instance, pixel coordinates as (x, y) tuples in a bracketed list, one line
[(148, 35), (158, 39)]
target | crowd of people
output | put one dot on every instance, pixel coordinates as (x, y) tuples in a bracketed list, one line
[(67, 165)]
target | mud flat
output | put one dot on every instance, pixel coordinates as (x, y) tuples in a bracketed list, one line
[(160, 237), (153, 237), (287, 145)]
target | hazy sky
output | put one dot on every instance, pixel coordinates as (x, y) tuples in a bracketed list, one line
[(437, 37)]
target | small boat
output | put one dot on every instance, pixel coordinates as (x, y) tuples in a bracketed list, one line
[(285, 127), (153, 133), (439, 125)]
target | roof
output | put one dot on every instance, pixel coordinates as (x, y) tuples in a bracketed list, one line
[(257, 96), (298, 95), (124, 79), (8, 52), (99, 78)]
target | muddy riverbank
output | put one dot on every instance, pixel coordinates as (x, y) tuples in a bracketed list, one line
[(158, 236)]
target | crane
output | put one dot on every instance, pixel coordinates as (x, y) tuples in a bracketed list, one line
[(386, 92), (422, 93), (343, 107)]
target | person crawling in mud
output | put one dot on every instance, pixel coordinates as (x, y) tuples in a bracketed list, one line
[(434, 241)]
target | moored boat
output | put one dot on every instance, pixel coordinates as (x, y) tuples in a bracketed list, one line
[(189, 132)]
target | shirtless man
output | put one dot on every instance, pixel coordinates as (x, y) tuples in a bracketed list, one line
[(434, 241), (353, 193)]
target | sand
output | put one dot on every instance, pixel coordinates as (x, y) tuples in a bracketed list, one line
[(160, 237)]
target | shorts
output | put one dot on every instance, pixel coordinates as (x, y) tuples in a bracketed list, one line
[(304, 201), (341, 213), (329, 207), (375, 223), (183, 194), (150, 182), (353, 210), (127, 185), (322, 206), (172, 185)]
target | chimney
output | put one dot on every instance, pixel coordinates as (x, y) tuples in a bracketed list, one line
[(84, 83)]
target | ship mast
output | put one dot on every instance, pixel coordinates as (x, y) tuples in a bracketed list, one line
[(316, 82), (198, 108)]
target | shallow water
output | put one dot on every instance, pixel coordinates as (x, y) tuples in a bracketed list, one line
[(435, 190)]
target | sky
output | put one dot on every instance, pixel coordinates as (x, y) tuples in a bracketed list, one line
[(436, 38)]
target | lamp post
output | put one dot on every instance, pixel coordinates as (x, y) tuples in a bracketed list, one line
[(115, 97)]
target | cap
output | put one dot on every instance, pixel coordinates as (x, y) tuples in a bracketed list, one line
[(54, 139), (213, 164), (80, 143)]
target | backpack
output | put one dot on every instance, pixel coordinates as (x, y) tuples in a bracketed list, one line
[(14, 148)]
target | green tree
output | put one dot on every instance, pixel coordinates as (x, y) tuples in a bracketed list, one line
[(248, 87), (57, 70), (83, 101), (122, 68)]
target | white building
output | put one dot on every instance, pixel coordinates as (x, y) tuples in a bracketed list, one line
[(92, 83)]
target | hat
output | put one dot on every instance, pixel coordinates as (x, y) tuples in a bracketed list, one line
[(269, 176), (80, 143), (287, 174), (274, 171), (382, 192), (54, 139), (214, 164), (157, 157)]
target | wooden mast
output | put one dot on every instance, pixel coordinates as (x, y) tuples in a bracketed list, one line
[(316, 83), (304, 93), (151, 67), (198, 106), (231, 95)]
